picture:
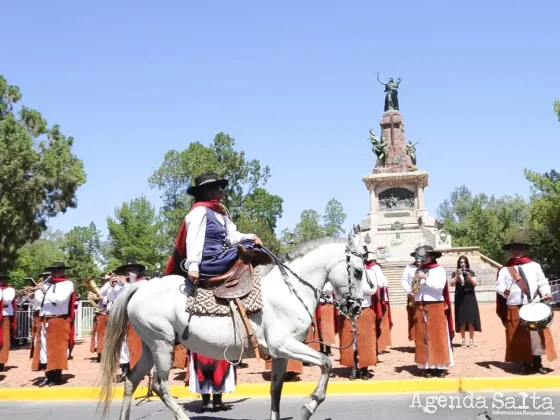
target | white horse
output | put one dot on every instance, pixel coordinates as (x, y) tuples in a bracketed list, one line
[(156, 311)]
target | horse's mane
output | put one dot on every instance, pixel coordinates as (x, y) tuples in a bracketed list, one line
[(306, 247), (301, 250)]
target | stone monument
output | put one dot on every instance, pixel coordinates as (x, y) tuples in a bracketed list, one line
[(398, 220)]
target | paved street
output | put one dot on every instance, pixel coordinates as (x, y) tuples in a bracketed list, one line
[(335, 408)]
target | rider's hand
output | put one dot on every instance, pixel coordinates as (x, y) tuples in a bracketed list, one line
[(506, 293), (194, 276), (257, 241)]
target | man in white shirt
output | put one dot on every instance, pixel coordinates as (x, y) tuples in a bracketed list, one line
[(433, 325), (7, 318), (54, 334), (519, 282), (363, 353)]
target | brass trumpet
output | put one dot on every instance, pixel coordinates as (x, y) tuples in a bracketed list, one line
[(93, 293)]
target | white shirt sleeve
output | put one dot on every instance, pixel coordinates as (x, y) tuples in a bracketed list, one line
[(404, 281), (542, 281), (436, 279), (61, 293), (372, 274), (501, 284), (233, 235), (196, 233)]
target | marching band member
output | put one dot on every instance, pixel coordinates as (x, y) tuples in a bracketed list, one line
[(100, 320), (363, 353), (7, 318), (131, 349), (53, 340), (519, 282), (406, 283), (433, 324)]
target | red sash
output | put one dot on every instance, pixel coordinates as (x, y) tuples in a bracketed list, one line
[(207, 368)]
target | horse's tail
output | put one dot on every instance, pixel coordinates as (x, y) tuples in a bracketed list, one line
[(117, 326)]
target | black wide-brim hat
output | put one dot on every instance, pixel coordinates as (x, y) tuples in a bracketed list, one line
[(57, 266), (425, 250), (206, 180), (130, 264), (516, 244)]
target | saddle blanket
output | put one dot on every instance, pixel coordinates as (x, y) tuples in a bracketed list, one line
[(207, 304)]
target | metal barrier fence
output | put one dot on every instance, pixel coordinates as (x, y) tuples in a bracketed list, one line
[(83, 321)]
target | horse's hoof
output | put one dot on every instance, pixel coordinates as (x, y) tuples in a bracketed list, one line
[(305, 413), (274, 415)]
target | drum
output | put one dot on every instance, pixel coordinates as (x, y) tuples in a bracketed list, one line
[(536, 316)]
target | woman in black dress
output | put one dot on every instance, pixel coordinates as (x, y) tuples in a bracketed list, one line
[(466, 305)]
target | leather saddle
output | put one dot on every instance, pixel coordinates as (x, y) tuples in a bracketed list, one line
[(238, 280)]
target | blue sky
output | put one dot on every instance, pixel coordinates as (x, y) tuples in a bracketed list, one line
[(294, 84)]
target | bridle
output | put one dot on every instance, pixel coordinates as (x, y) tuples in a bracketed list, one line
[(341, 305)]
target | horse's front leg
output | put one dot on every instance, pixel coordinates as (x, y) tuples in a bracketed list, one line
[(276, 383), (293, 349)]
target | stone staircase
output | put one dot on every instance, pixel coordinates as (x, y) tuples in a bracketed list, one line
[(393, 272)]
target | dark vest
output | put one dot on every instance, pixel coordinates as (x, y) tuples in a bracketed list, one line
[(215, 235)]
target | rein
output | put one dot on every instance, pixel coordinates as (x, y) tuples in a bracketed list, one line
[(320, 294)]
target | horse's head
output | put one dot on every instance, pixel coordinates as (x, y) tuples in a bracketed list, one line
[(347, 279)]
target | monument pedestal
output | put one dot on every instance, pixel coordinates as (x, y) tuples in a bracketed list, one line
[(398, 221)]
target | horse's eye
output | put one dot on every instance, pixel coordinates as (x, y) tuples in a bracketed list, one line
[(358, 272)]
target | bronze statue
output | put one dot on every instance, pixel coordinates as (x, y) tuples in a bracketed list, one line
[(391, 98), (379, 147), (411, 151)]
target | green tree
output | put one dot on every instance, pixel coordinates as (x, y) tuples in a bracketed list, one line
[(83, 247), (39, 174), (309, 226), (545, 219), (557, 108), (31, 259), (486, 222), (334, 218), (135, 233), (251, 207)]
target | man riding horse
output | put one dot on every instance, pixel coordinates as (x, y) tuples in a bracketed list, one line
[(207, 245)]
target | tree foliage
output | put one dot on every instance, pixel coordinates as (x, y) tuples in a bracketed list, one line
[(251, 206), (83, 250), (31, 259), (135, 233), (39, 174), (486, 222), (310, 227), (557, 109), (545, 219)]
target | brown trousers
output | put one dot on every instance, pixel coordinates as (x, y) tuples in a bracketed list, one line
[(99, 328), (181, 359), (384, 341), (432, 345), (57, 336), (366, 339), (327, 325), (134, 346), (518, 340), (6, 334)]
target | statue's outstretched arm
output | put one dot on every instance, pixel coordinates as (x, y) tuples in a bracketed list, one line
[(383, 83)]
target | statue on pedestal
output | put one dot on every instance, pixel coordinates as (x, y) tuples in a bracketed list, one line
[(379, 147), (391, 98), (411, 151)]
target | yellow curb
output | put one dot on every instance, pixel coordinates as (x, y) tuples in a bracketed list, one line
[(303, 389)]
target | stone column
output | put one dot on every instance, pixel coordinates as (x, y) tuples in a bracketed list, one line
[(420, 198), (372, 200)]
